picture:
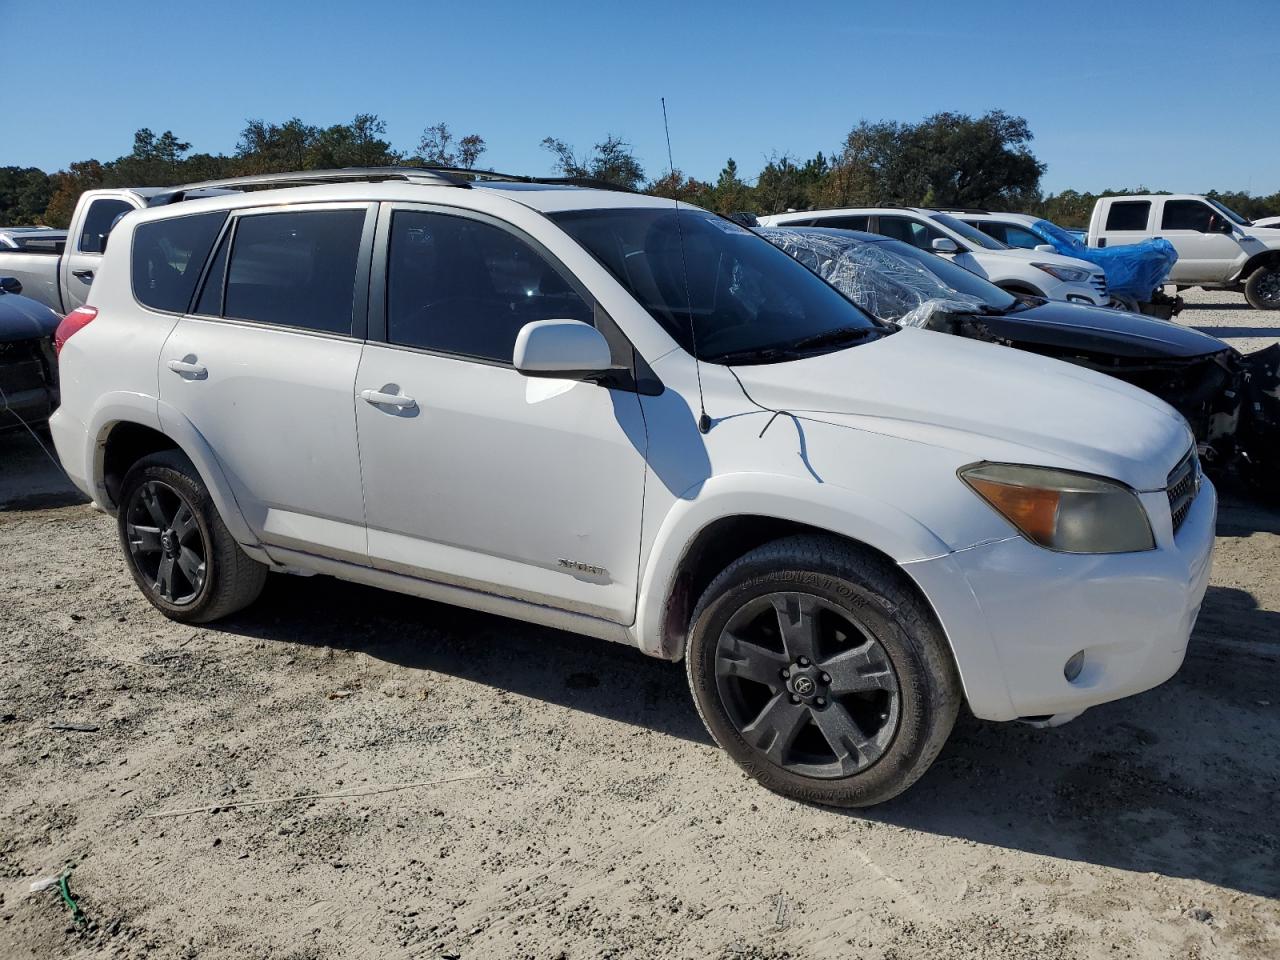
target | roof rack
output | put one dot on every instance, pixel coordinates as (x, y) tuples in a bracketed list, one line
[(960, 210), (438, 176), (302, 178)]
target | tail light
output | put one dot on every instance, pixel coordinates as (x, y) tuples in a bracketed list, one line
[(73, 322)]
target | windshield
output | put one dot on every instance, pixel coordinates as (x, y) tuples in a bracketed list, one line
[(969, 233), (957, 278), (739, 292), (1231, 214)]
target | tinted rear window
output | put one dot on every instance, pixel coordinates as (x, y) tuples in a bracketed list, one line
[(168, 256), (1128, 215)]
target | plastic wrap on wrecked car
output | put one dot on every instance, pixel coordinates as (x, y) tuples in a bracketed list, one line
[(1132, 269), (882, 283)]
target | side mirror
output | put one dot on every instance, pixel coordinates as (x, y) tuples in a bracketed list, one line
[(561, 349), (1046, 248), (944, 245), (10, 284)]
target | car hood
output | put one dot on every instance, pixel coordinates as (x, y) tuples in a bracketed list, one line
[(1076, 328), (986, 400), (22, 318)]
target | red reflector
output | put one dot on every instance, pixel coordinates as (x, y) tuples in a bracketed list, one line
[(73, 322)]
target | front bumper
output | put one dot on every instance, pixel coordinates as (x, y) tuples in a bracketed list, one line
[(1015, 613), (1083, 292)]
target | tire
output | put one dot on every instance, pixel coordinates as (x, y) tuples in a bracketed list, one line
[(891, 675), (166, 518), (1262, 289)]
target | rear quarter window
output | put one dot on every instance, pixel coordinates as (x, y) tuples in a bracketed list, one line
[(168, 256)]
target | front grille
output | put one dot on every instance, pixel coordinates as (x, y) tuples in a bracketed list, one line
[(1099, 282), (1182, 486)]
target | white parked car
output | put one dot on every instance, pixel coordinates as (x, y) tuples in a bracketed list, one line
[(1271, 223), (1039, 272), (1217, 248), (487, 394)]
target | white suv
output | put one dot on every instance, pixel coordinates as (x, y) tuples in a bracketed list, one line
[(1040, 272), (486, 393)]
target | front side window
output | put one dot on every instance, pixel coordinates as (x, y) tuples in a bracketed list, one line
[(465, 287), (706, 278), (976, 237), (1021, 237), (1128, 215), (1188, 215), (295, 269), (98, 221), (910, 231), (168, 256)]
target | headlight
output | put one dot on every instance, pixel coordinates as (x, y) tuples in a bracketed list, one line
[(1061, 510), (1067, 274)]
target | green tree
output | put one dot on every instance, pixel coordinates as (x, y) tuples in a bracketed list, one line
[(24, 195), (436, 148), (611, 160)]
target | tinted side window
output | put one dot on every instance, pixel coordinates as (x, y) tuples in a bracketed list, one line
[(911, 231), (992, 229), (295, 269), (98, 221), (168, 256), (1186, 215), (1020, 237), (1128, 215), (462, 286), (851, 222), (210, 303)]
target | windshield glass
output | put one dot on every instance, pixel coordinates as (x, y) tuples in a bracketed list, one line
[(957, 278), (740, 292), (1231, 214), (969, 233)]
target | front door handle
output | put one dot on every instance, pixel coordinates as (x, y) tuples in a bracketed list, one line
[(378, 398), (188, 368), (85, 275)]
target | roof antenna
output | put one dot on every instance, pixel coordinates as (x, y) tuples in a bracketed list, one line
[(704, 421)]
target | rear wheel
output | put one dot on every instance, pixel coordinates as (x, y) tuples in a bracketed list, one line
[(1262, 289), (180, 553), (822, 673)]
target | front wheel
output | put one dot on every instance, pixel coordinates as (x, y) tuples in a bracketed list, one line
[(179, 551), (821, 673), (1262, 289)]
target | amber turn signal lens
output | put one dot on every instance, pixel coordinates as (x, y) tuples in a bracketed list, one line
[(1032, 510)]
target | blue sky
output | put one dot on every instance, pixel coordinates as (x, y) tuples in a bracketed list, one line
[(1176, 95)]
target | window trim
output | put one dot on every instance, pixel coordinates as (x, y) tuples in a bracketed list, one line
[(378, 324), (360, 299)]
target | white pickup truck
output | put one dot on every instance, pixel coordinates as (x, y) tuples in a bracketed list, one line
[(61, 280), (1217, 248)]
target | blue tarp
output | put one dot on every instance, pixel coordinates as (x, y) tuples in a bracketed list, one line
[(1133, 269)]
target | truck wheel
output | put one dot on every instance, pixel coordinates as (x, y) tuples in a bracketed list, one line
[(178, 549), (821, 673), (1262, 289)]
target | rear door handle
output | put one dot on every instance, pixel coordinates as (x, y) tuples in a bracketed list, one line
[(188, 368), (378, 398), (83, 274)]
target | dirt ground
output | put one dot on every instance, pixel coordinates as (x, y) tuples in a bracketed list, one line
[(595, 817)]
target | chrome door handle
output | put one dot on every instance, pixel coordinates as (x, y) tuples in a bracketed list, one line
[(378, 398), (188, 368)]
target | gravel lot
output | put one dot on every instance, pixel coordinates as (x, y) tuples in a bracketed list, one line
[(596, 820)]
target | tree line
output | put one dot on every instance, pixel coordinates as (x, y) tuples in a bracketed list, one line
[(944, 160)]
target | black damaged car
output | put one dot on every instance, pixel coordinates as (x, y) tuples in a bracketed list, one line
[(1231, 400), (28, 364)]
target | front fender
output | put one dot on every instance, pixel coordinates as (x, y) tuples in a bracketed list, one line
[(828, 507)]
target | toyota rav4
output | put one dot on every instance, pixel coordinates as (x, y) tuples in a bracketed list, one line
[(609, 414)]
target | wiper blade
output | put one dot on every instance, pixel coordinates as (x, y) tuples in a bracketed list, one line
[(757, 355), (832, 337)]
